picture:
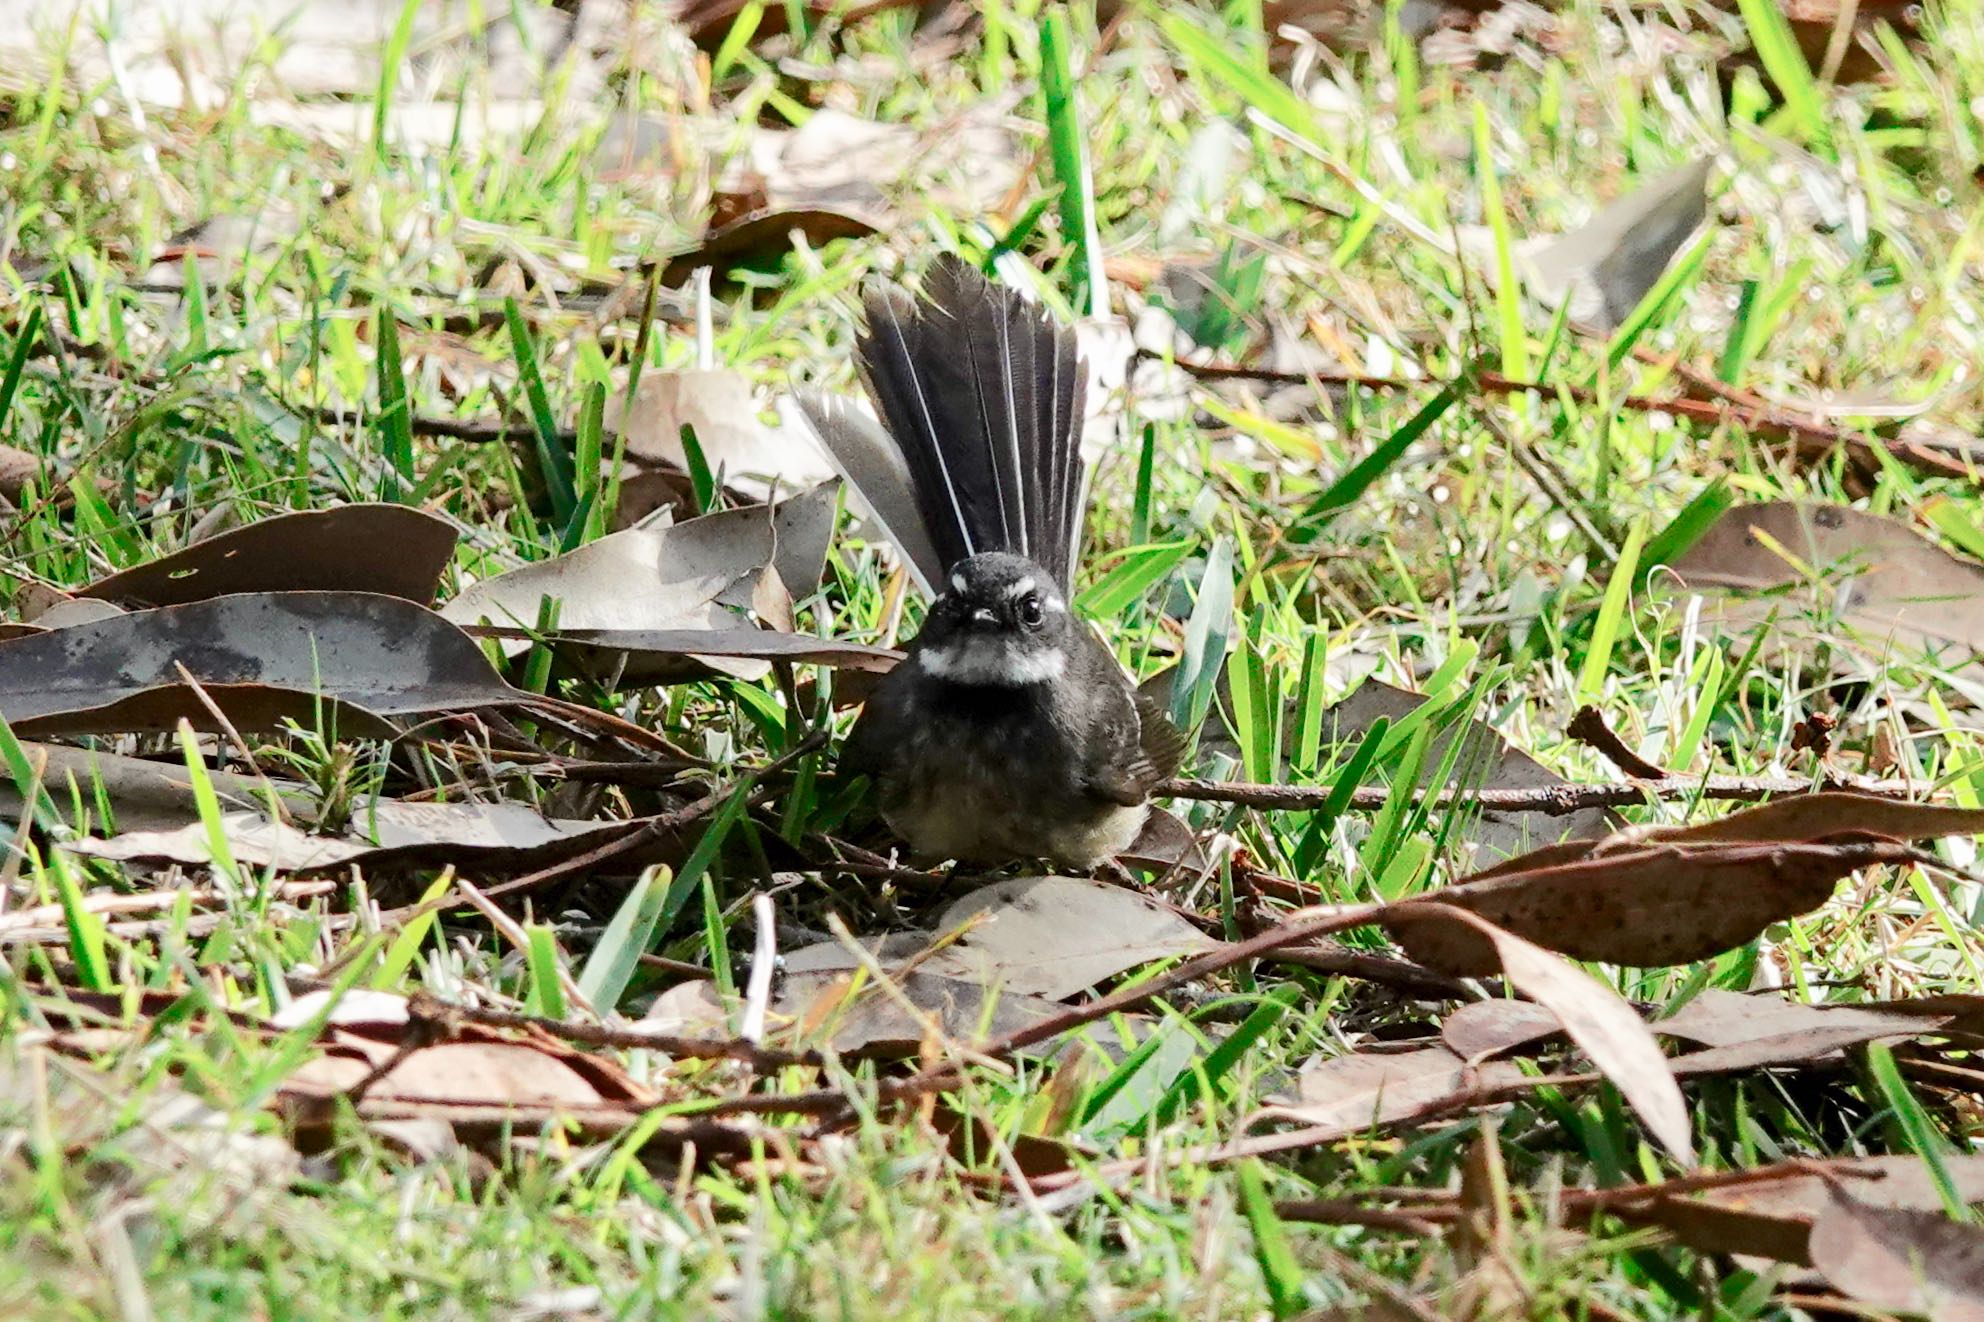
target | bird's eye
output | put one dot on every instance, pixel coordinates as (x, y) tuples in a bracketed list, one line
[(1030, 613)]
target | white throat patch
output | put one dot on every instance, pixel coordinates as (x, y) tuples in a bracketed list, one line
[(993, 662)]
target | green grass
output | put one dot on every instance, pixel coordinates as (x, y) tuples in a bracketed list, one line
[(1308, 540)]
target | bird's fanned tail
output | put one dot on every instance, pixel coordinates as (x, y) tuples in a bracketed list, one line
[(982, 394)]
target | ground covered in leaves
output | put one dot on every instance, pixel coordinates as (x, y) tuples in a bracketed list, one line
[(1533, 450)]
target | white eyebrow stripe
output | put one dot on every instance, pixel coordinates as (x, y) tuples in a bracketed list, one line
[(1020, 589), (957, 582)]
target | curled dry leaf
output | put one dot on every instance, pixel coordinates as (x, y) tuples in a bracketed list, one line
[(265, 657), (700, 575), (1608, 264), (1365, 1089), (460, 1069), (1645, 907), (1718, 1018), (1038, 936), (394, 550), (861, 1018), (1905, 1259), (1604, 1027), (1481, 1029), (655, 655)]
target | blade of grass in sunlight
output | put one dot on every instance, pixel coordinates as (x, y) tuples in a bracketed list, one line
[(628, 935), (1777, 48), (1920, 1131), (1072, 170), (1139, 569), (394, 421), (1346, 489), (1611, 615), (1206, 633), (390, 59), (1280, 1269), (1687, 527), (1508, 289), (408, 940), (555, 463), (546, 995)]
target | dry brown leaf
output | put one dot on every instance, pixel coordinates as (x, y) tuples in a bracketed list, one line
[(748, 454), (1604, 1027), (1055, 936), (1718, 1018), (869, 1021), (656, 655), (1363, 1090), (1481, 1029), (1645, 907), (1773, 1218), (262, 658), (389, 832), (395, 550), (1904, 1259), (1852, 579), (700, 575)]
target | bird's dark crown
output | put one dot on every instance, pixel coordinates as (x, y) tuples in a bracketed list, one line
[(1001, 621)]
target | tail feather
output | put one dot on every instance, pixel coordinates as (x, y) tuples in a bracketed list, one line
[(981, 393)]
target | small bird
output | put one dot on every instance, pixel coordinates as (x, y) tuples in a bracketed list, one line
[(1010, 731)]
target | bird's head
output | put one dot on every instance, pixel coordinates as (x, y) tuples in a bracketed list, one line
[(1001, 622)]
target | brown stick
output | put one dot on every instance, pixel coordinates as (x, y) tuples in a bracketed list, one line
[(1588, 727), (1554, 800)]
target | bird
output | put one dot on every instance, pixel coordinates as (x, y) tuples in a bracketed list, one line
[(1009, 731)]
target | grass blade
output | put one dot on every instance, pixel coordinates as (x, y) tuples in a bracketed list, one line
[(1347, 488), (556, 464), (613, 962), (1508, 290), (394, 423), (1611, 613), (1069, 153)]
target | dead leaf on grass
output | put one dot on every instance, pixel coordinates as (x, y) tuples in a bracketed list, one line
[(389, 832), (1055, 936), (394, 550), (704, 574), (665, 655), (1905, 1259), (1646, 907), (1609, 263), (1821, 567), (861, 1018), (1363, 1090), (361, 658), (1603, 1026), (1481, 1029), (748, 454)]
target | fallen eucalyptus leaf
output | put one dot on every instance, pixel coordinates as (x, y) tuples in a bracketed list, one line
[(1842, 577), (356, 657), (1603, 1026), (1647, 907), (1773, 1218), (721, 406), (487, 834), (1055, 936), (393, 550), (699, 575), (1905, 1259)]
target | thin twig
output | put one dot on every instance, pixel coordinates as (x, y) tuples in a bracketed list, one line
[(1588, 727), (1552, 800)]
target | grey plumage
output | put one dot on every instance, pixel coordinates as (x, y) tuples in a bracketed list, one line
[(1010, 731), (983, 396)]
